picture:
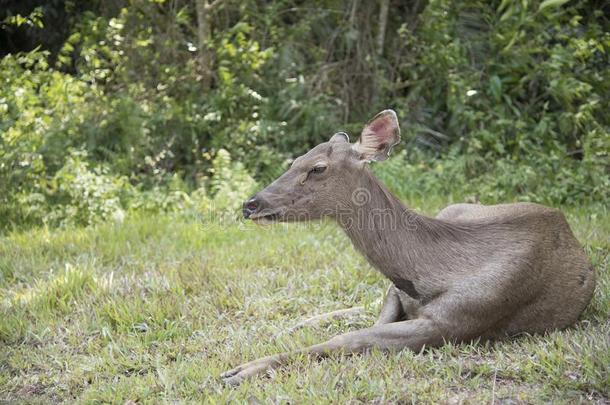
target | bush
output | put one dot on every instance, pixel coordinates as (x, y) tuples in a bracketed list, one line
[(500, 100), (81, 195)]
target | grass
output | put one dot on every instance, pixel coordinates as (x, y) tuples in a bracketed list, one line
[(155, 309)]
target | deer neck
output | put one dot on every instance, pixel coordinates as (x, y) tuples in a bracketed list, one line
[(396, 240)]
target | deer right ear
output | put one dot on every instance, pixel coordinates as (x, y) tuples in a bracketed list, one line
[(378, 137)]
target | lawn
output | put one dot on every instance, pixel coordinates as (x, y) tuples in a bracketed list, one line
[(156, 308)]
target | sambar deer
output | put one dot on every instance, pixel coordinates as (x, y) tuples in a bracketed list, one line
[(474, 271)]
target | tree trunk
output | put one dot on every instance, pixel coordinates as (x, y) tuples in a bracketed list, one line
[(204, 34), (383, 22)]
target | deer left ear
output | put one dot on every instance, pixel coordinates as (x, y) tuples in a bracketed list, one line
[(340, 137), (378, 137)]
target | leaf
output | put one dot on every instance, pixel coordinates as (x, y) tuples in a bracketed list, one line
[(495, 87), (507, 14), (503, 5), (551, 3)]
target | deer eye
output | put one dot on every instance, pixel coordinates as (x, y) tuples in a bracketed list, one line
[(318, 169)]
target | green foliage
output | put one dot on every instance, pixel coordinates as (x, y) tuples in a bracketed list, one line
[(84, 195), (498, 100), (514, 96), (230, 184), (34, 19), (548, 179)]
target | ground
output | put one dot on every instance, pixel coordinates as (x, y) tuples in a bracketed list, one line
[(156, 308)]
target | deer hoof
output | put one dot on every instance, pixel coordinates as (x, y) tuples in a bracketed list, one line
[(237, 375)]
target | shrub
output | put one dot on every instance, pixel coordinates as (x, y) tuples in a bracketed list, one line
[(500, 100), (84, 195)]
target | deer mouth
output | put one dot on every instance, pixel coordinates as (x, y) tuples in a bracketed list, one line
[(266, 216)]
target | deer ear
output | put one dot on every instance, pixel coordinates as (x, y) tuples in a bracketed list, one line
[(378, 137), (339, 137)]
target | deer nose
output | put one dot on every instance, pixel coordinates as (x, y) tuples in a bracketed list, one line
[(250, 207)]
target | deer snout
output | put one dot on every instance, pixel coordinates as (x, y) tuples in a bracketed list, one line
[(259, 208), (251, 206)]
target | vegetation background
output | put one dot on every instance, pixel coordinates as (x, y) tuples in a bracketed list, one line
[(124, 122), (120, 105)]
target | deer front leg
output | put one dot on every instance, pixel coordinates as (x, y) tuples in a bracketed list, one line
[(413, 334), (398, 306)]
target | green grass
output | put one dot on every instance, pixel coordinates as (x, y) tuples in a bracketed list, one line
[(155, 309)]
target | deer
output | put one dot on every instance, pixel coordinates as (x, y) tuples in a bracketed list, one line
[(472, 273)]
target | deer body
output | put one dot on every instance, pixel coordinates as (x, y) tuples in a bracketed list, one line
[(512, 268), (474, 271)]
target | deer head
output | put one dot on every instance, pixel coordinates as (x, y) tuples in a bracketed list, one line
[(323, 180)]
